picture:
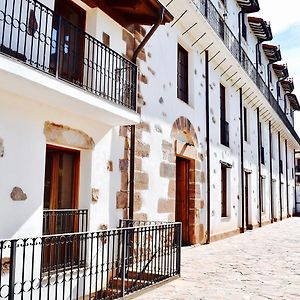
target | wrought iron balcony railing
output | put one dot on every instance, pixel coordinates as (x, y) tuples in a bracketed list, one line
[(60, 221), (107, 264), (36, 35), (214, 18)]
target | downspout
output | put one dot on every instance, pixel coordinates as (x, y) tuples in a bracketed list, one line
[(207, 142), (132, 127), (271, 171), (259, 165), (286, 182), (242, 161), (279, 159), (295, 194)]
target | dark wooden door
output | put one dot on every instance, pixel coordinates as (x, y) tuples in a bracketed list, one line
[(247, 200), (68, 36), (60, 197), (182, 197)]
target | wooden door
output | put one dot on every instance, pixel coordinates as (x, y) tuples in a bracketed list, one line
[(247, 200), (67, 57), (182, 197), (60, 196), (61, 188)]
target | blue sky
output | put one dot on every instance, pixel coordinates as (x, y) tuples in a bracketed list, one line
[(285, 23)]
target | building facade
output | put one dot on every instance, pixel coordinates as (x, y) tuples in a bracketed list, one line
[(179, 111)]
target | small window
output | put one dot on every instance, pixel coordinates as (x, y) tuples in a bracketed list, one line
[(297, 178), (224, 210), (270, 76), (280, 167), (244, 28), (245, 125), (182, 74), (224, 125)]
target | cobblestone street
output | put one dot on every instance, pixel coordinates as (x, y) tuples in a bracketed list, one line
[(260, 264)]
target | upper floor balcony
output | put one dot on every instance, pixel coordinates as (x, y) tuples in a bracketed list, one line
[(54, 42), (263, 33)]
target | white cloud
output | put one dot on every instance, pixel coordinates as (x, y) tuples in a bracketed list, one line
[(281, 14)]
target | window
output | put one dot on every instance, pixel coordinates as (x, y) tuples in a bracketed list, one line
[(245, 125), (223, 191), (244, 27), (262, 149), (224, 125), (221, 28), (270, 76), (262, 190), (297, 178), (182, 74), (280, 167)]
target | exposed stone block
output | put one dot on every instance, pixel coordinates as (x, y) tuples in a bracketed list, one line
[(166, 206), (95, 194), (141, 181), (138, 164), (17, 194), (123, 165), (124, 181), (5, 265), (122, 200), (139, 216), (64, 135), (143, 126), (141, 149), (172, 189), (110, 166), (137, 201), (167, 170)]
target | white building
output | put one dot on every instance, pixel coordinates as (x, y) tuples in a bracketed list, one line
[(204, 137)]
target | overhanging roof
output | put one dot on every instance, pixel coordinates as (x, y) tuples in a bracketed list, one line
[(249, 6), (293, 101), (260, 28), (272, 52), (281, 71), (288, 85), (128, 12)]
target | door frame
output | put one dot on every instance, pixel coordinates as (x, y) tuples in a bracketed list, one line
[(187, 200)]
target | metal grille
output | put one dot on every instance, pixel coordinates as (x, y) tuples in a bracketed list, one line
[(34, 34), (92, 265)]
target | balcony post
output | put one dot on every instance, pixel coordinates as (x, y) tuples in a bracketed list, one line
[(12, 269), (58, 47)]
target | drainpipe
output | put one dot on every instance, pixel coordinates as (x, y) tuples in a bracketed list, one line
[(279, 159), (286, 179), (295, 194), (271, 171), (259, 165), (132, 127), (207, 142), (242, 160)]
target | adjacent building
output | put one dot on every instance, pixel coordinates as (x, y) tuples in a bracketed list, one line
[(179, 111)]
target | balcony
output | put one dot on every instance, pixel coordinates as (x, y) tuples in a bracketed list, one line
[(60, 221), (213, 17), (224, 133), (40, 38), (106, 264)]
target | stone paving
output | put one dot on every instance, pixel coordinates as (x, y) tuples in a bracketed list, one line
[(260, 264)]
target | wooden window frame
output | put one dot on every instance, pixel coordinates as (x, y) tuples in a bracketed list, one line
[(182, 74)]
